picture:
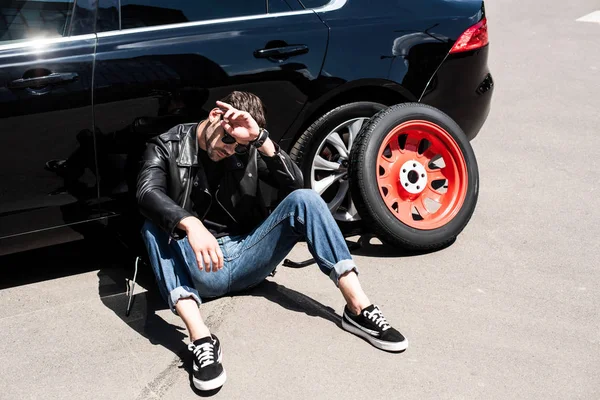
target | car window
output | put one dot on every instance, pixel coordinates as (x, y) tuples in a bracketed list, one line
[(314, 3), (108, 15), (142, 13), (30, 19), (277, 6)]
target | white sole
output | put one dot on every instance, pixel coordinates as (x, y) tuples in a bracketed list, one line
[(380, 344), (212, 384)]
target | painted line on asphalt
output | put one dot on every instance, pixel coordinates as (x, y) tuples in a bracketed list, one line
[(591, 17)]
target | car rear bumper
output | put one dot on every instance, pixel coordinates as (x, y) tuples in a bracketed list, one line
[(462, 88)]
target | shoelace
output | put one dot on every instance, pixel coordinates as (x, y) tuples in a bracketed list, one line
[(205, 353), (378, 319)]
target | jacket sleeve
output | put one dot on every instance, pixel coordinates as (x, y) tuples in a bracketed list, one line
[(280, 171), (151, 192)]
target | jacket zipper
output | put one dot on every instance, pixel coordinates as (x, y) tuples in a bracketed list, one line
[(187, 189), (209, 204), (223, 207), (186, 195), (285, 166)]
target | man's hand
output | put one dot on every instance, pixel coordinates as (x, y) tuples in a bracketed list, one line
[(203, 243), (238, 124)]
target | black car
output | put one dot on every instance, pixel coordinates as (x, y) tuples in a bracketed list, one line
[(376, 101)]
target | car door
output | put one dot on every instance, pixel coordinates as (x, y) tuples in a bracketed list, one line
[(167, 62), (47, 166)]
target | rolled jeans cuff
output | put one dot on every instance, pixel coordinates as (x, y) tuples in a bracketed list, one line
[(182, 292), (340, 269)]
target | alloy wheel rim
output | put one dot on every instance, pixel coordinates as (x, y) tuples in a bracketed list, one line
[(329, 169), (421, 175)]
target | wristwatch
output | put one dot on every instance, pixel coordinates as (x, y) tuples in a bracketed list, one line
[(261, 139)]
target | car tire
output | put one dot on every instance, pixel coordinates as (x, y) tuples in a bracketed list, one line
[(406, 157), (346, 121)]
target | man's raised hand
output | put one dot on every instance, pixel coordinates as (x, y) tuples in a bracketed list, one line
[(238, 124)]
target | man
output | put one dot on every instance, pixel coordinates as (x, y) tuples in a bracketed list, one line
[(208, 232)]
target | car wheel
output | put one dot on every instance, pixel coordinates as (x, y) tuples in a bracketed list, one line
[(414, 176), (323, 153)]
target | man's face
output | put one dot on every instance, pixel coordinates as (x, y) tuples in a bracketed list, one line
[(215, 147)]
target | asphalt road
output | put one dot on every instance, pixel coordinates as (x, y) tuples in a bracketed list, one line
[(510, 310)]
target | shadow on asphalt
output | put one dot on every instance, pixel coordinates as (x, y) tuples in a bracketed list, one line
[(292, 300), (58, 261), (114, 264), (369, 246)]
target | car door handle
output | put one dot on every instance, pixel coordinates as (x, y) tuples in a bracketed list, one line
[(281, 52), (41, 81)]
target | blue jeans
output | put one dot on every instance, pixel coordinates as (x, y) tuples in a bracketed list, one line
[(250, 258)]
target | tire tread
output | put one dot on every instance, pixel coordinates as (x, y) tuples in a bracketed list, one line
[(359, 191)]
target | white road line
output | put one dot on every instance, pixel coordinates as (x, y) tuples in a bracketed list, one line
[(592, 17)]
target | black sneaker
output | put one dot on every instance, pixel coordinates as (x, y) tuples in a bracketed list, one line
[(371, 325), (208, 371)]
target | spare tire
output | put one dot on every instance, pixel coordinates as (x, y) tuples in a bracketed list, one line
[(414, 177)]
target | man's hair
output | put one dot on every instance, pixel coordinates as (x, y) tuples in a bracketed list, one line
[(248, 102)]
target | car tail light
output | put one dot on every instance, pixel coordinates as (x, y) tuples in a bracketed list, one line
[(473, 38)]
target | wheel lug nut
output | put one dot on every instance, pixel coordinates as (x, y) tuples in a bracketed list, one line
[(422, 175), (418, 187), (403, 170), (406, 184), (414, 165)]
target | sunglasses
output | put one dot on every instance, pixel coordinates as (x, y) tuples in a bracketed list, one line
[(228, 139), (239, 148)]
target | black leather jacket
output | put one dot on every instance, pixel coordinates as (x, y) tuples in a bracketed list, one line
[(170, 177)]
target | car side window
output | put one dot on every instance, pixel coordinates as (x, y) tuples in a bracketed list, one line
[(108, 16), (277, 6), (31, 19), (142, 13), (314, 3)]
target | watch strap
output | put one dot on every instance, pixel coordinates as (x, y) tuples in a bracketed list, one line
[(261, 139)]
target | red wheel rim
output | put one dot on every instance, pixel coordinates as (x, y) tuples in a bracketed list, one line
[(421, 174)]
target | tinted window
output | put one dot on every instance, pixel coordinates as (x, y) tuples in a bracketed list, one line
[(277, 6), (30, 19), (140, 13), (84, 17), (314, 3), (108, 15)]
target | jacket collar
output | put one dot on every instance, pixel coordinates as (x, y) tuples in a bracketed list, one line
[(188, 151)]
